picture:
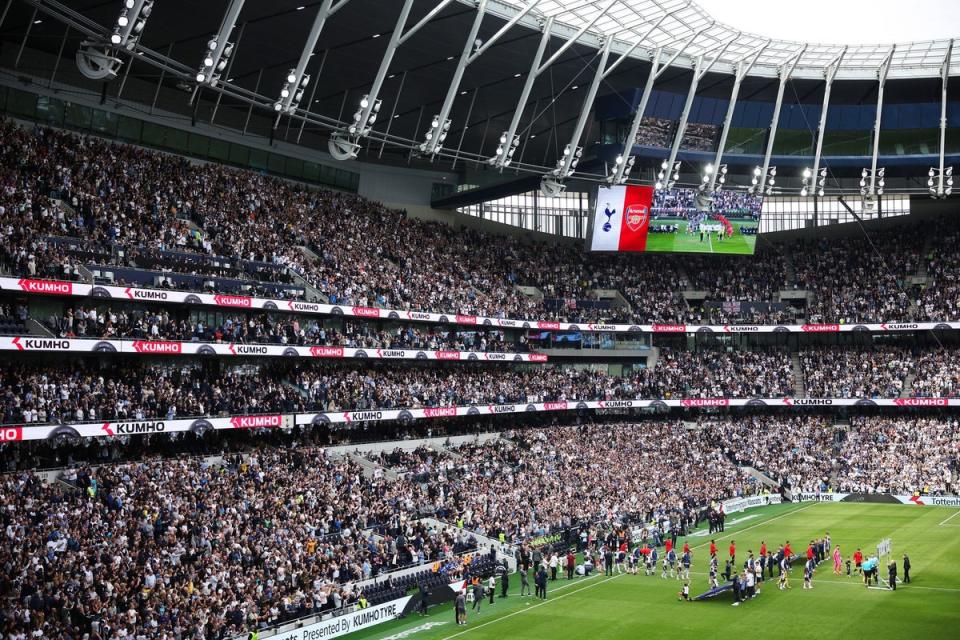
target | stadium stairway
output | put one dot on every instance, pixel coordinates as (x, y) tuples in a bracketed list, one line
[(295, 387), (799, 388), (790, 273), (311, 293), (530, 291), (85, 274), (37, 328), (760, 477), (371, 468), (907, 390)]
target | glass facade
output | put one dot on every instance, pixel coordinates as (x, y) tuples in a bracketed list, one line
[(789, 213), (564, 215)]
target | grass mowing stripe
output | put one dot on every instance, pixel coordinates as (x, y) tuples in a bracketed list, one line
[(510, 615)]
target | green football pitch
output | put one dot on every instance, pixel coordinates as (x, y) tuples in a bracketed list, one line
[(683, 242), (637, 606)]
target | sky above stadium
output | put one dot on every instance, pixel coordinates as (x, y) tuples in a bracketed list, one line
[(842, 21)]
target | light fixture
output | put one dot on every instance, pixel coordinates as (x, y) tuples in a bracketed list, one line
[(504, 153), (940, 182), (872, 183), (437, 130), (805, 181), (665, 180), (130, 22), (771, 180)]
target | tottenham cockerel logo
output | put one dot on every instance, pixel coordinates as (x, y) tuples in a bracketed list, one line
[(636, 216)]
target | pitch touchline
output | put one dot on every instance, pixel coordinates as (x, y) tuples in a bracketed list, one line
[(560, 588), (519, 611), (949, 519), (909, 586)]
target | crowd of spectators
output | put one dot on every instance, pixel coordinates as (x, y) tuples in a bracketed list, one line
[(199, 549), (699, 136), (68, 202), (654, 132), (549, 479), (103, 321), (33, 393), (878, 372), (795, 451), (810, 453), (75, 391), (861, 279), (937, 374), (899, 455)]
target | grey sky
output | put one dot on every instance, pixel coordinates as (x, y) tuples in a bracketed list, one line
[(842, 21)]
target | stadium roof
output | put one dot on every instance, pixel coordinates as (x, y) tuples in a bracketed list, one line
[(627, 21), (157, 76)]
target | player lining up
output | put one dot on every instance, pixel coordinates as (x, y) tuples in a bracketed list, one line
[(669, 564), (784, 571), (808, 570)]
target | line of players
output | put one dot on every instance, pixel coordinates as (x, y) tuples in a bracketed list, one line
[(756, 568)]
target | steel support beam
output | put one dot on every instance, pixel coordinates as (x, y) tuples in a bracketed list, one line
[(567, 164), (882, 79), (698, 72), (617, 176), (163, 73), (313, 92), (56, 64), (499, 34), (682, 126), (743, 68), (463, 131), (393, 112), (344, 145), (290, 103), (656, 70), (785, 71), (227, 71), (944, 76), (502, 159), (221, 38), (569, 43), (635, 46), (430, 147), (403, 37), (830, 73), (26, 34)]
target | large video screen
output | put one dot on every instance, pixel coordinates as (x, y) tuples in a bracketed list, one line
[(637, 218)]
